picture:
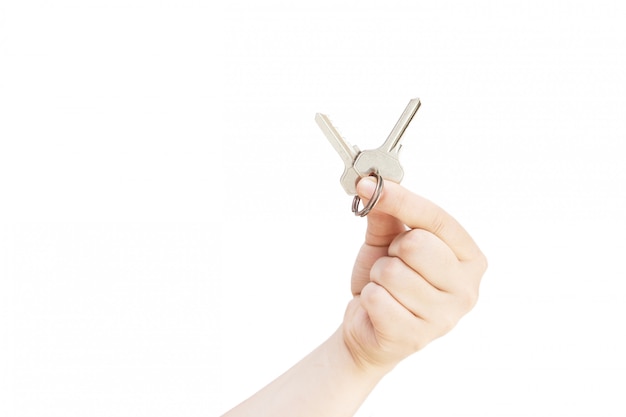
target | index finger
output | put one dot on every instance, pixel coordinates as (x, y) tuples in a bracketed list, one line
[(419, 213)]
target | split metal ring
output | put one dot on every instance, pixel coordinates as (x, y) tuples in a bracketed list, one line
[(372, 202)]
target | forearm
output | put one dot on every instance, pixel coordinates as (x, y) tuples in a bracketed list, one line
[(327, 382)]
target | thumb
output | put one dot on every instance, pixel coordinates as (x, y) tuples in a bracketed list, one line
[(382, 228)]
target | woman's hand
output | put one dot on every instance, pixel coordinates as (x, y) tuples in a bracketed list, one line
[(416, 275)]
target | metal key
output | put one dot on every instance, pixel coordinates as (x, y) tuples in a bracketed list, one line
[(383, 162), (346, 151), (384, 159)]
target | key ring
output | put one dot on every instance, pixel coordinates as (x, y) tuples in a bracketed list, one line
[(370, 205)]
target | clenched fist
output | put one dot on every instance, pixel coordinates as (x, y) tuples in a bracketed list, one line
[(416, 275)]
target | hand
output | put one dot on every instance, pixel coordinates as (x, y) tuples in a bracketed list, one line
[(416, 275)]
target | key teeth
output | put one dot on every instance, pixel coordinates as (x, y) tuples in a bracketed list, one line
[(341, 134), (321, 116)]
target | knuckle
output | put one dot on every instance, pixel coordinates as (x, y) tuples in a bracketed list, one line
[(396, 203), (482, 262), (412, 241), (468, 299), (447, 323), (448, 326), (370, 294), (386, 269), (395, 266), (417, 337), (438, 223), (417, 342)]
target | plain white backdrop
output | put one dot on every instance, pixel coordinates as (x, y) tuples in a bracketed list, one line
[(174, 234)]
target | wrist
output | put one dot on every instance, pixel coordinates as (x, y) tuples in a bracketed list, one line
[(343, 357), (327, 382)]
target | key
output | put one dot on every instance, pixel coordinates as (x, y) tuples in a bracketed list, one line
[(385, 158), (346, 151)]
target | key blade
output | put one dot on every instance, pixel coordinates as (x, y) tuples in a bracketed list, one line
[(347, 152), (391, 143)]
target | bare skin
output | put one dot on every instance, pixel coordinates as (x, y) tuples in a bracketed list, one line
[(416, 275)]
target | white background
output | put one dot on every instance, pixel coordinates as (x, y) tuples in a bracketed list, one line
[(174, 234)]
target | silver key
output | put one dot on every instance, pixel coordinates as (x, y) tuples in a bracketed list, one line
[(346, 151), (384, 159)]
